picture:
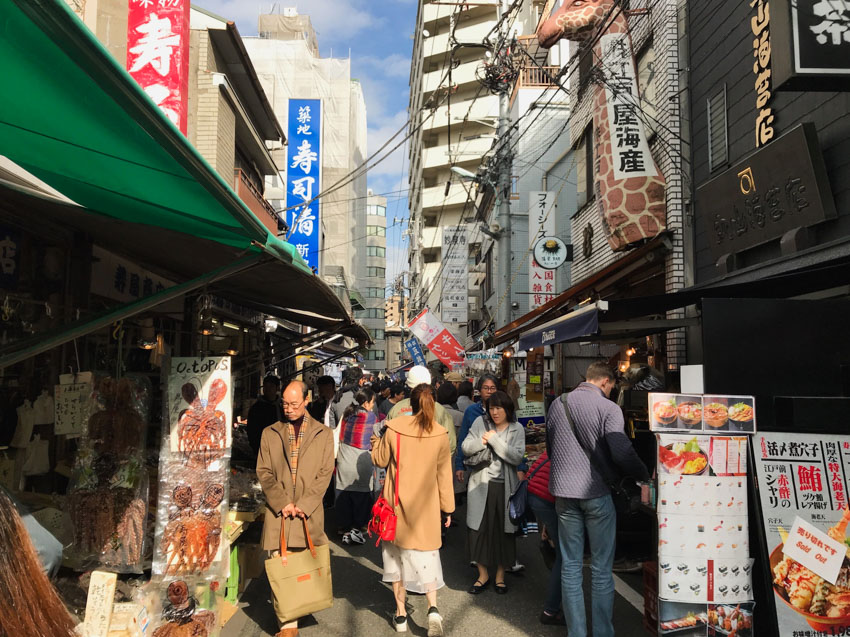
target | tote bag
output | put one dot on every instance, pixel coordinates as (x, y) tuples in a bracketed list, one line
[(301, 581)]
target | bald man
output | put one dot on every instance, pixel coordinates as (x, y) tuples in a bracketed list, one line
[(294, 467)]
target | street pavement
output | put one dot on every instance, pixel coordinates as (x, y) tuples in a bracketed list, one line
[(363, 605)]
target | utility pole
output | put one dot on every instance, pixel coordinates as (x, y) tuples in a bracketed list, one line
[(503, 163)]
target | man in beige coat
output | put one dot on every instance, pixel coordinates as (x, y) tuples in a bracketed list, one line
[(294, 466)]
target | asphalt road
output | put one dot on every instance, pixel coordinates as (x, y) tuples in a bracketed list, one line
[(363, 605)]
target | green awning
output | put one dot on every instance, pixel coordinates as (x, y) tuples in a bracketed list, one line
[(73, 117)]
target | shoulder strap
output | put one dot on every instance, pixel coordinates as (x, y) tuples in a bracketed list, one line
[(589, 455), (397, 465), (536, 469)]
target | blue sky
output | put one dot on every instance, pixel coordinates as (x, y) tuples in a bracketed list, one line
[(379, 36)]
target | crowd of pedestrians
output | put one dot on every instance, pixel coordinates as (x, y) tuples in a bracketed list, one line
[(430, 441)]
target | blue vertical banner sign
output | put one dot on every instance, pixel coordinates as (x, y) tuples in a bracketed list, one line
[(415, 349), (303, 177)]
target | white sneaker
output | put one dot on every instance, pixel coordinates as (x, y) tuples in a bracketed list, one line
[(435, 622), (516, 568), (356, 537), (346, 538), (400, 623)]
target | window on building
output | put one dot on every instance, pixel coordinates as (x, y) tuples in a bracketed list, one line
[(375, 271), (487, 284), (375, 355), (376, 251), (718, 144), (514, 186), (377, 334), (375, 293), (379, 231), (646, 70), (378, 211), (584, 167)]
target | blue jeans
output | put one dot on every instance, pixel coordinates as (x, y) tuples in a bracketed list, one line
[(598, 517), (545, 513)]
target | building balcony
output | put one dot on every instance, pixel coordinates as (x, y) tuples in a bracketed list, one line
[(463, 75), (465, 32), (538, 76), (466, 151), (483, 109), (436, 197), (432, 238), (253, 198)]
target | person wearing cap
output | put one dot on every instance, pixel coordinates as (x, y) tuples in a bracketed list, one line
[(418, 375), (455, 378)]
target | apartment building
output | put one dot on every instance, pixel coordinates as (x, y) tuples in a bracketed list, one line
[(453, 122), (286, 56), (373, 275)]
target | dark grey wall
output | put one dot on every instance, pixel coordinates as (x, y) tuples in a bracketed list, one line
[(721, 52)]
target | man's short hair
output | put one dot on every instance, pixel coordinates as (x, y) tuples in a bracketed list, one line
[(351, 375), (600, 370), (396, 389), (325, 380), (271, 378), (447, 394), (465, 389)]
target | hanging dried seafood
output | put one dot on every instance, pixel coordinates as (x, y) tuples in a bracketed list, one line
[(191, 538), (202, 429)]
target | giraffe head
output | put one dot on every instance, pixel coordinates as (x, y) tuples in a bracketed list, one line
[(574, 20)]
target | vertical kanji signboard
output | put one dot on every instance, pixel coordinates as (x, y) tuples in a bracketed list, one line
[(158, 54), (303, 178)]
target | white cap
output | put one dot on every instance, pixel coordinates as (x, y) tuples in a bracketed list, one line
[(417, 375)]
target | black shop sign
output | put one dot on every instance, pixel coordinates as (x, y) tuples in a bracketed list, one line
[(780, 187), (810, 42)]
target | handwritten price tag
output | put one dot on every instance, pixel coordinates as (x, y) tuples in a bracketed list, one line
[(815, 550)]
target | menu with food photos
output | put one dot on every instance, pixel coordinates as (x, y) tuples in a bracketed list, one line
[(803, 483), (702, 413), (704, 566)]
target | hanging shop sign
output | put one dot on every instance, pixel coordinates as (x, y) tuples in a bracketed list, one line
[(113, 277), (776, 189), (158, 54), (303, 178), (542, 216), (439, 341), (455, 277), (802, 486), (415, 349), (760, 26), (810, 44), (706, 413), (551, 253)]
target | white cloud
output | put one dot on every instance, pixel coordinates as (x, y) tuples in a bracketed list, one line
[(393, 65)]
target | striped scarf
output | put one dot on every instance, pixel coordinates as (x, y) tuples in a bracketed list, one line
[(357, 429), (294, 447)]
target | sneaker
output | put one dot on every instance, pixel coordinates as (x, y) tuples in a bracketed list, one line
[(400, 623), (627, 565), (516, 568), (557, 619), (356, 537), (346, 538), (435, 622)]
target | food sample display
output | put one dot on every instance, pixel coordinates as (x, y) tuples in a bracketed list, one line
[(716, 415), (683, 458)]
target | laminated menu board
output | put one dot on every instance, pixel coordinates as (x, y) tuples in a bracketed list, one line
[(706, 413), (704, 564), (803, 478)]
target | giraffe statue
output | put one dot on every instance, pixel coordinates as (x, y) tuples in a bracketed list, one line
[(632, 207)]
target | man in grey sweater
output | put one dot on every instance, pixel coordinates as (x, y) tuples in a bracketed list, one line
[(582, 497)]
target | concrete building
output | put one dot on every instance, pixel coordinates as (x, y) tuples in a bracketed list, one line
[(396, 311), (458, 133), (373, 275), (286, 56)]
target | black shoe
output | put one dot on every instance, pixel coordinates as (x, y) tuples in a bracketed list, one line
[(501, 589), (478, 587), (557, 619)]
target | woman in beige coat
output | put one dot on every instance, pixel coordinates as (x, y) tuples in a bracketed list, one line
[(415, 451)]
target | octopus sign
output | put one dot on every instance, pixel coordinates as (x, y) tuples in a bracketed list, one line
[(158, 54)]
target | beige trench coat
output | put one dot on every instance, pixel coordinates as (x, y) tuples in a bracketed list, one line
[(425, 487), (315, 467)]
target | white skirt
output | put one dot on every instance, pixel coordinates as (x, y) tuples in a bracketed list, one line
[(420, 571)]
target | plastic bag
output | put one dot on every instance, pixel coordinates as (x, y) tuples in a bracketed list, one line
[(37, 458)]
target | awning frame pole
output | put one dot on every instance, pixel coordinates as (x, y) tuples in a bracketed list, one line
[(20, 351), (324, 362)]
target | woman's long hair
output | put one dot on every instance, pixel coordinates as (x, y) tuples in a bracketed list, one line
[(363, 396), (29, 605), (422, 402)]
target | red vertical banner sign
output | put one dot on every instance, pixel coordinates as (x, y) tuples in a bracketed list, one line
[(158, 54)]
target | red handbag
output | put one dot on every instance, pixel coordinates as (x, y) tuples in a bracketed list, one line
[(384, 519)]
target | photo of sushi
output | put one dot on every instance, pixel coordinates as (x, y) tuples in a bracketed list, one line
[(665, 412), (677, 618), (683, 458)]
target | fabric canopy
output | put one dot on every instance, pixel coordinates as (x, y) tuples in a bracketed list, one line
[(72, 117), (581, 323)]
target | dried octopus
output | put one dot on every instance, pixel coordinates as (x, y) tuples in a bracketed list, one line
[(191, 538), (109, 522), (182, 617), (118, 428), (202, 429)]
